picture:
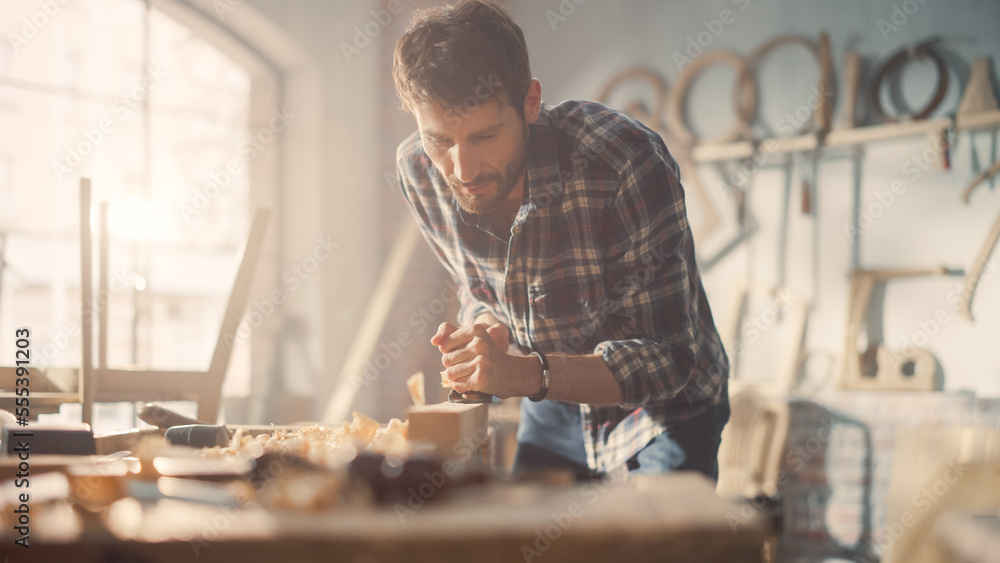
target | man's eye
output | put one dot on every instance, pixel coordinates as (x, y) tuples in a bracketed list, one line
[(487, 137)]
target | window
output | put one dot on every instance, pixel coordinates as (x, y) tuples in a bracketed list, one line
[(157, 117)]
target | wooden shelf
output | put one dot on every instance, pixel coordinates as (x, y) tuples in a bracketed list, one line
[(841, 137)]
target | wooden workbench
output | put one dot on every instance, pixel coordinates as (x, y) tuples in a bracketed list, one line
[(667, 518)]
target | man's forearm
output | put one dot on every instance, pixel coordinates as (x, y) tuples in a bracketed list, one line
[(572, 379)]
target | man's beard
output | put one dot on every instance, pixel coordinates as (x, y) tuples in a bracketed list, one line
[(486, 202)]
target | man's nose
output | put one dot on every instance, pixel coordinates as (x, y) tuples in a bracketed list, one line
[(466, 163)]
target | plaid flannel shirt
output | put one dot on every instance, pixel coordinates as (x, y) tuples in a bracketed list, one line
[(599, 259)]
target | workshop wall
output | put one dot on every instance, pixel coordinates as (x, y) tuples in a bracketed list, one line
[(577, 47), (334, 194), (835, 497)]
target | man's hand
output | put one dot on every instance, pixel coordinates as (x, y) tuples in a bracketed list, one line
[(497, 330), (476, 359)]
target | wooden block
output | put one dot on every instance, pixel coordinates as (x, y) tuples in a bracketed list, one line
[(456, 430)]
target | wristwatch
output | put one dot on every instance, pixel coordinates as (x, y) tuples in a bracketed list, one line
[(545, 377)]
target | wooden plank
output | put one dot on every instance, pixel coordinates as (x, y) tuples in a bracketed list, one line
[(88, 386), (855, 136), (670, 518), (972, 487), (852, 80), (104, 295)]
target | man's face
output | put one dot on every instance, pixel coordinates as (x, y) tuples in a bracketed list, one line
[(481, 152)]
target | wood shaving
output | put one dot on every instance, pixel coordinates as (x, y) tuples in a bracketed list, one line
[(323, 445)]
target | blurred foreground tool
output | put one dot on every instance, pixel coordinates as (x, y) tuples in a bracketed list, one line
[(40, 438), (198, 435)]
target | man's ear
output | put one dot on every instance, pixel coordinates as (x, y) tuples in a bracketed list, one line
[(533, 101)]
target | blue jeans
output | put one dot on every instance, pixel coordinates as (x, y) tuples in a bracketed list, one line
[(689, 445)]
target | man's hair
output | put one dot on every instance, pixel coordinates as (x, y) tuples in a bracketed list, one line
[(460, 57)]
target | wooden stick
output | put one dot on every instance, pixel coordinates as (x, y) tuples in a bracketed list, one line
[(104, 295), (88, 383), (993, 170), (710, 152), (208, 404), (852, 79), (824, 111), (976, 271)]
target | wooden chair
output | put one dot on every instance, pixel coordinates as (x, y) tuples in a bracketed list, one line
[(752, 442), (750, 455), (937, 471), (54, 386)]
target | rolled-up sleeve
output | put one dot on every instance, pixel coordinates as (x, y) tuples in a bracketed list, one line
[(650, 281)]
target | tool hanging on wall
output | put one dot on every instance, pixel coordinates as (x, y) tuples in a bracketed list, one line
[(987, 174), (977, 98), (848, 120), (852, 82), (938, 140), (745, 92), (974, 273), (918, 51), (876, 367)]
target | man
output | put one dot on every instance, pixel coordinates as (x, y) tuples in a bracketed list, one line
[(566, 232)]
